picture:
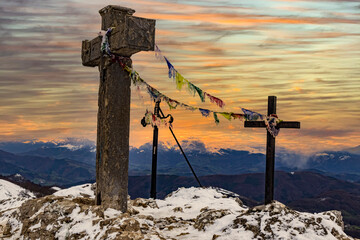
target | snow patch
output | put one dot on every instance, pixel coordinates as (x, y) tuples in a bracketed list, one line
[(321, 154), (191, 201), (9, 190), (56, 188), (77, 191), (33, 227), (12, 195), (71, 147), (342, 158)]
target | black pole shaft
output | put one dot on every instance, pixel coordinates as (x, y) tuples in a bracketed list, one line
[(182, 151), (154, 163), (270, 156), (154, 155)]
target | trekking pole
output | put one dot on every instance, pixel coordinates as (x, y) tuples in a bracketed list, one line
[(154, 154), (192, 170)]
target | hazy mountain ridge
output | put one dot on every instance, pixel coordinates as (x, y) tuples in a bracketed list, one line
[(335, 162), (45, 170), (31, 145), (354, 150), (342, 165)]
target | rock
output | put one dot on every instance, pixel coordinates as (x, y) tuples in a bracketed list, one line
[(276, 216), (130, 225), (208, 217), (141, 202), (129, 236), (66, 217), (241, 204), (132, 211), (274, 207), (5, 229), (84, 201), (215, 237), (337, 217), (178, 209)]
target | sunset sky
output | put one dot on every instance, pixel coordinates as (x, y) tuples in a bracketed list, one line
[(307, 53)]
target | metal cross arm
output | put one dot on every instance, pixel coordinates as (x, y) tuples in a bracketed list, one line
[(261, 124)]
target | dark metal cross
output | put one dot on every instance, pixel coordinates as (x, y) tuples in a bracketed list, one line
[(270, 147)]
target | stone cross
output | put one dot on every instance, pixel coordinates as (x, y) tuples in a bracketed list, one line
[(270, 148), (129, 35)]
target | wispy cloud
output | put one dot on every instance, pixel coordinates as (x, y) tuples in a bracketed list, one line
[(241, 51)]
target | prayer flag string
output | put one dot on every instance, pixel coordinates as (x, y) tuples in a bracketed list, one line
[(248, 115), (270, 121), (180, 81)]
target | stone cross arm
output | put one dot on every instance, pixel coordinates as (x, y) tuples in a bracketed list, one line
[(130, 35)]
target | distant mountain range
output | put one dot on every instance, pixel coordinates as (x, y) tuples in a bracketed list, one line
[(45, 170), (341, 164), (28, 146), (321, 187), (72, 161), (354, 150)]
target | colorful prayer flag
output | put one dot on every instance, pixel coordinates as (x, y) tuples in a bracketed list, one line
[(204, 112), (252, 116), (216, 118), (172, 71), (194, 89), (226, 115), (179, 80), (158, 53), (215, 100)]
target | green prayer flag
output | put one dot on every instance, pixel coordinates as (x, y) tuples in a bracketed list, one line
[(195, 89), (216, 118), (171, 106)]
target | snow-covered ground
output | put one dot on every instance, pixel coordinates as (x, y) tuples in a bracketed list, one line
[(188, 213), (12, 195), (77, 191)]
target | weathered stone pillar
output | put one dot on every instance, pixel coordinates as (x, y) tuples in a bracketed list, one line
[(129, 35)]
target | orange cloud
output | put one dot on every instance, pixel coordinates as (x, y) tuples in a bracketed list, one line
[(245, 20), (223, 49)]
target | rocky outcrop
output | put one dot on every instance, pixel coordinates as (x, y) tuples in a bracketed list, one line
[(277, 221), (192, 213)]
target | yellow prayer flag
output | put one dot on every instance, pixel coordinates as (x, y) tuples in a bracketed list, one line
[(179, 80)]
